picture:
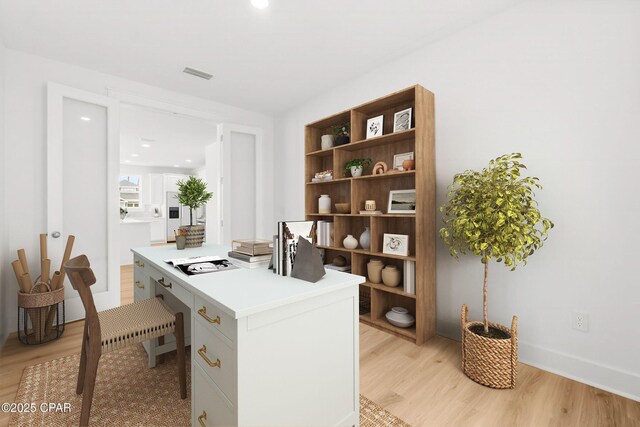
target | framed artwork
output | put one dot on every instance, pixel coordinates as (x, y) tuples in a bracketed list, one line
[(395, 244), (399, 158), (402, 120), (402, 202), (374, 126)]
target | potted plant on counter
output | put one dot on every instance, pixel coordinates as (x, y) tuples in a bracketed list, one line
[(193, 193), (493, 214), (356, 166), (342, 133)]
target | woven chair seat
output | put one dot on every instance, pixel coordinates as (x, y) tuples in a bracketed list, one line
[(133, 323)]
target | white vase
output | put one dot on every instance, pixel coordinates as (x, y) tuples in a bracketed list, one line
[(326, 141), (350, 242), (324, 204), (356, 170), (365, 239)]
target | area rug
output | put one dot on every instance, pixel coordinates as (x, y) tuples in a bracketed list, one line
[(127, 393)]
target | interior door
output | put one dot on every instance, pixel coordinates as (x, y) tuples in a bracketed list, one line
[(239, 183), (82, 188)]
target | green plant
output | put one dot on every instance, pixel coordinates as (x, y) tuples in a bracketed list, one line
[(341, 130), (356, 163), (193, 193), (493, 215)]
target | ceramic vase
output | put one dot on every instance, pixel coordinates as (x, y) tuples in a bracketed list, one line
[(356, 170), (391, 276), (365, 239), (374, 269), (324, 204), (350, 242), (409, 165), (342, 140), (370, 205), (326, 141)]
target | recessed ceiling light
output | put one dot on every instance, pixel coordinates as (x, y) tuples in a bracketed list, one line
[(260, 4), (188, 161), (145, 145), (127, 161), (85, 118), (135, 155), (176, 166)]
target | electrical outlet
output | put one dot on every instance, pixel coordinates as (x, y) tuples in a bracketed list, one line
[(580, 321)]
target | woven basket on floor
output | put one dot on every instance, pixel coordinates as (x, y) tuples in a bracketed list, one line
[(195, 235), (489, 361)]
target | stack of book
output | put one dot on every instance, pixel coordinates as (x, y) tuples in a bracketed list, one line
[(409, 285), (342, 268), (250, 253)]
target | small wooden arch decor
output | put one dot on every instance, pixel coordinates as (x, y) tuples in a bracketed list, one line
[(380, 168)]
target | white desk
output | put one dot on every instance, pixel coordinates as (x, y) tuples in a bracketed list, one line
[(266, 350)]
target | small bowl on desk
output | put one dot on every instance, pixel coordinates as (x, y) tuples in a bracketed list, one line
[(343, 208), (400, 317)]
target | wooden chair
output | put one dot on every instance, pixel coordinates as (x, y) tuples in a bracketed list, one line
[(118, 328)]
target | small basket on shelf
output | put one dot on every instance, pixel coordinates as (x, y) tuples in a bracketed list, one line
[(365, 300)]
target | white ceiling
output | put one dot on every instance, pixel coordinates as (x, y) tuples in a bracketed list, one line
[(265, 60), (172, 139)]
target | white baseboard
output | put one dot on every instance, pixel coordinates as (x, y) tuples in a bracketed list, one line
[(614, 380)]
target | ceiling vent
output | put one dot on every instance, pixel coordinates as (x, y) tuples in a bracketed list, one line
[(197, 73)]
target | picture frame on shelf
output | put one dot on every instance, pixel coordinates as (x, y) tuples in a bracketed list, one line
[(395, 244), (399, 158), (402, 120), (375, 126), (402, 202)]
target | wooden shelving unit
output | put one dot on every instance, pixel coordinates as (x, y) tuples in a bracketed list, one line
[(419, 226)]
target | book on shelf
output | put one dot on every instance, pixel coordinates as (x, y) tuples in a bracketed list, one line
[(370, 212), (324, 233), (342, 268), (409, 277), (247, 258)]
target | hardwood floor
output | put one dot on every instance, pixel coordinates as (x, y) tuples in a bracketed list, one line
[(422, 385)]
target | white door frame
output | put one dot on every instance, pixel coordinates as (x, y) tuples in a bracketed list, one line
[(55, 97), (224, 136)]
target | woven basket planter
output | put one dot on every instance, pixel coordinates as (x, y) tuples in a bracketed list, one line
[(195, 235), (490, 361)]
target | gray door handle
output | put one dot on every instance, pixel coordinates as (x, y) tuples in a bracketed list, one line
[(55, 234)]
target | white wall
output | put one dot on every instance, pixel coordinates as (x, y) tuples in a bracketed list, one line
[(25, 160), (4, 259), (559, 82)]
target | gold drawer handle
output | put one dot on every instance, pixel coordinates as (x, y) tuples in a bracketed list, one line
[(161, 281), (203, 353), (202, 417), (139, 264), (139, 285), (203, 312)]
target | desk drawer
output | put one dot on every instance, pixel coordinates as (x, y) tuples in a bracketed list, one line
[(216, 358), (172, 287), (211, 408), (210, 315)]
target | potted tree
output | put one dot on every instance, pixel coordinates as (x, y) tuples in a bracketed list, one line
[(193, 193), (356, 166), (342, 133), (493, 215)]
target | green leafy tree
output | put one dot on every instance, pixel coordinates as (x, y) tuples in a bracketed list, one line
[(193, 193), (493, 214)]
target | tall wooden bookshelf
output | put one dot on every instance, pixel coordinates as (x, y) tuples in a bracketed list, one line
[(419, 226)]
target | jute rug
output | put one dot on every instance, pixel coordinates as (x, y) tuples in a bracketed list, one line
[(127, 393)]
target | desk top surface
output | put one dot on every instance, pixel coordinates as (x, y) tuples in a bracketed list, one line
[(242, 292)]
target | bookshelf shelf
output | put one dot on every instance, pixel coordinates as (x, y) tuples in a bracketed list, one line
[(420, 227)]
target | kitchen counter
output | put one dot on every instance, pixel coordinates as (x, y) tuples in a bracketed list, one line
[(133, 234)]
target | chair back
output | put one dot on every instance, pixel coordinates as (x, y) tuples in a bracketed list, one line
[(81, 277)]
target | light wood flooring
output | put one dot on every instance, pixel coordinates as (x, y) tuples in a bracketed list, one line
[(422, 385)]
